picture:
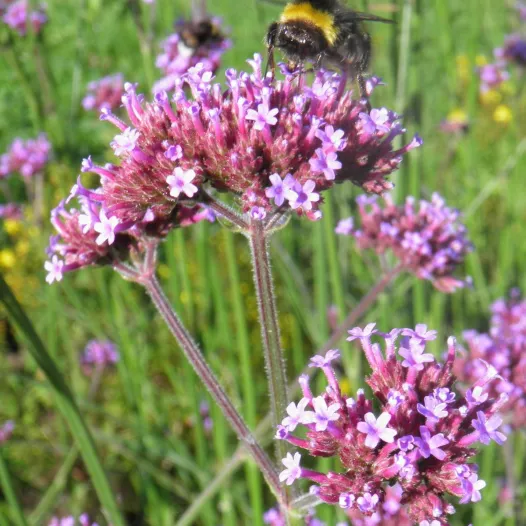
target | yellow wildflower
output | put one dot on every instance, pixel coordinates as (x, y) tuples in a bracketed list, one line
[(458, 116), (12, 226), (7, 258), (490, 97), (502, 114)]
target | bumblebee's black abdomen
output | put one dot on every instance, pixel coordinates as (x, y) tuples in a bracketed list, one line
[(300, 41)]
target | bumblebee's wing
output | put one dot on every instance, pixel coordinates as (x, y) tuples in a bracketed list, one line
[(367, 17)]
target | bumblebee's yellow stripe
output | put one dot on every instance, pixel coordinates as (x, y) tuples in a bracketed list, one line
[(305, 12)]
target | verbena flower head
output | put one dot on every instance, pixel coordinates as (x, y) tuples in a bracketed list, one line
[(492, 76), (513, 50), (82, 520), (270, 142), (26, 157), (99, 354), (106, 92), (418, 433), (18, 14), (426, 237), (194, 42), (6, 430), (503, 351)]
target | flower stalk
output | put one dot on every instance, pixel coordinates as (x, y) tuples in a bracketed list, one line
[(145, 275), (268, 319)]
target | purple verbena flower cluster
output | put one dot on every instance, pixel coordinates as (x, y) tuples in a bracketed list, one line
[(194, 42), (204, 412), (18, 15), (83, 520), (99, 354), (513, 50), (502, 350), (11, 211), (6, 430), (421, 437), (106, 93), (427, 238), (272, 143), (390, 513), (492, 76), (26, 157)]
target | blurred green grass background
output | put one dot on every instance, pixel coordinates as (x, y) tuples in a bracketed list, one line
[(144, 417)]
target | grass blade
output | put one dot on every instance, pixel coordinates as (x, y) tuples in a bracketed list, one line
[(65, 403), (10, 494)]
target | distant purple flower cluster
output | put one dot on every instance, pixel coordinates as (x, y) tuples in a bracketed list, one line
[(6, 430), (104, 93), (204, 411), (98, 354), (26, 157), (18, 15), (513, 51), (503, 350), (492, 75), (427, 238), (193, 42), (390, 513), (83, 520), (421, 437), (11, 211)]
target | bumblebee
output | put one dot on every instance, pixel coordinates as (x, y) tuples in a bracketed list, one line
[(325, 33), (201, 29)]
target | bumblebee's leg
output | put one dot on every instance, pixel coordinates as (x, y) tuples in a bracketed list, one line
[(300, 67), (359, 56), (270, 62), (363, 66), (363, 90), (270, 40)]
